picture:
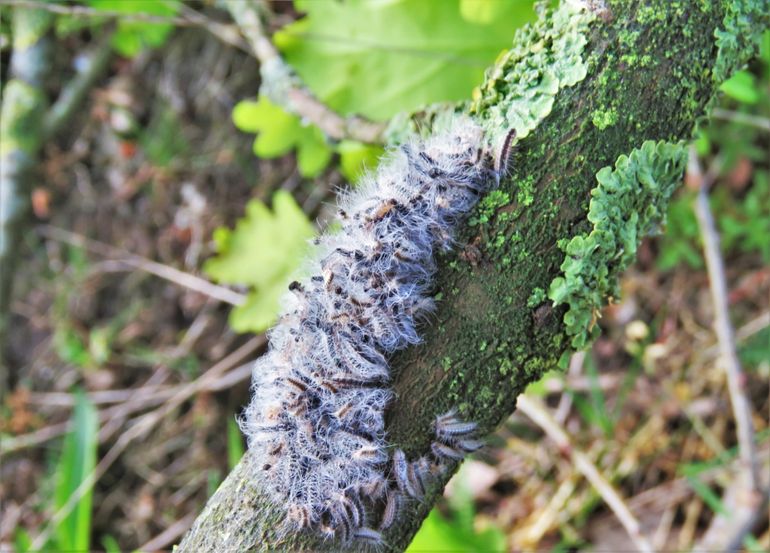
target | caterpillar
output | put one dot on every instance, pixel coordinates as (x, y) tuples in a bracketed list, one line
[(319, 394)]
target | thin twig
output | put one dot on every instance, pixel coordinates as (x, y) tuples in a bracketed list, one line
[(141, 398), (64, 399), (745, 499), (85, 11), (169, 535), (166, 272), (284, 87), (565, 402), (745, 332), (743, 118), (191, 18), (538, 413), (736, 380)]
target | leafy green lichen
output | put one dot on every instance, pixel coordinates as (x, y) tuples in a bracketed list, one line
[(488, 205), (547, 56), (537, 297), (603, 118), (628, 203), (744, 23)]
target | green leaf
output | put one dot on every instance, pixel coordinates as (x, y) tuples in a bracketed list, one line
[(22, 541), (458, 534), (70, 347), (439, 534), (380, 58), (110, 544), (234, 443), (484, 11), (262, 252), (708, 496), (742, 87), (356, 158), (76, 463), (132, 36), (279, 132)]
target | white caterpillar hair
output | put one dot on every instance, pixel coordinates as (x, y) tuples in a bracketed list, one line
[(316, 418)]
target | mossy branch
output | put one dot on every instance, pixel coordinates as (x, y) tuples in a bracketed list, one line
[(583, 89)]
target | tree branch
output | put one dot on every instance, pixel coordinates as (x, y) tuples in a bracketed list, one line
[(284, 88), (20, 141), (583, 91), (746, 497)]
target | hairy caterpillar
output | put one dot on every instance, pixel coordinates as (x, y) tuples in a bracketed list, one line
[(316, 418)]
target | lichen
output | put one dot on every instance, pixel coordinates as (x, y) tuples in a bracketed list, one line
[(20, 118), (520, 89), (537, 297), (628, 203), (744, 23), (603, 118), (488, 205)]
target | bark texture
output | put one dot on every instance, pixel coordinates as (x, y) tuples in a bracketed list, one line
[(583, 90)]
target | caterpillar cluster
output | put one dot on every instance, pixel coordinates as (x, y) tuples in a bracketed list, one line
[(316, 418)]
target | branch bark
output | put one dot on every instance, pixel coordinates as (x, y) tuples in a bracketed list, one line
[(20, 140), (643, 71)]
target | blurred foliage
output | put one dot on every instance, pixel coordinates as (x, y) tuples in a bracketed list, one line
[(262, 252), (131, 37), (380, 58), (74, 466), (741, 198), (357, 158), (755, 352), (693, 473), (594, 408), (85, 347), (457, 534), (279, 132), (235, 447), (77, 461), (163, 138)]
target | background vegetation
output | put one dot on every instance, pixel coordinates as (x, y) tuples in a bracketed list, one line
[(169, 211)]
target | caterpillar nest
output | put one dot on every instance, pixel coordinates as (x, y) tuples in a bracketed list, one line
[(316, 417)]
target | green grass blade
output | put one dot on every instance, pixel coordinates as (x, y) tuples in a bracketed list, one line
[(75, 464)]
